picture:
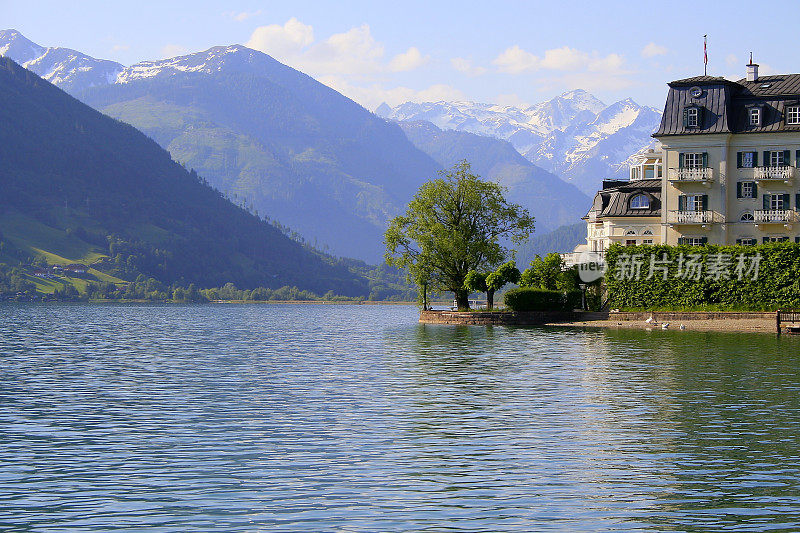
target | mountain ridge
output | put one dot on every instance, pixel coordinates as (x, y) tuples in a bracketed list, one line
[(116, 199), (574, 135)]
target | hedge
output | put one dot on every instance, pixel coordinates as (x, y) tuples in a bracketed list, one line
[(526, 299), (723, 284)]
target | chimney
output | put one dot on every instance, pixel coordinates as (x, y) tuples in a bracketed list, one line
[(752, 70)]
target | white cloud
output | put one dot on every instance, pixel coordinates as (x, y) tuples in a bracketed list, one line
[(731, 60), (465, 65), (371, 96), (282, 42), (653, 49), (612, 63), (409, 60), (515, 60), (172, 50), (120, 48), (564, 58), (352, 52), (241, 16)]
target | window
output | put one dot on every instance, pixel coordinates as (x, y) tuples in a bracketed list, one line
[(630, 242), (747, 189), (746, 242), (630, 232), (793, 114), (694, 202), (746, 159), (693, 117), (747, 217), (647, 232), (776, 202), (755, 116), (693, 160), (692, 241), (775, 238), (647, 241), (776, 158), (640, 201)]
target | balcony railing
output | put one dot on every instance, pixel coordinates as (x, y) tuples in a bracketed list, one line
[(690, 217), (690, 174), (773, 216), (782, 173)]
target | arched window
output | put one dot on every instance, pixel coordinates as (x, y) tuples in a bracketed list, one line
[(640, 201), (630, 232), (747, 217), (647, 232)]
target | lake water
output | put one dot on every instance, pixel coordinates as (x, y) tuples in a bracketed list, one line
[(356, 418)]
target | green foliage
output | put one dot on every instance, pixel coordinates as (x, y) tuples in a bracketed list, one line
[(453, 225), (475, 281), (528, 299), (506, 273), (549, 274), (776, 286)]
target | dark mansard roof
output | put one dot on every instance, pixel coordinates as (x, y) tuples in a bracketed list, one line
[(614, 200), (724, 104)]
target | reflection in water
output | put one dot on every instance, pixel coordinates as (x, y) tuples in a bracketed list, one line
[(356, 418)]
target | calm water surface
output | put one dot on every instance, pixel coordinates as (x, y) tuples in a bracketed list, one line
[(356, 418)]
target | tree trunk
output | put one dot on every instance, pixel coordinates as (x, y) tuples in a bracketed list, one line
[(425, 296), (462, 300), (489, 300)]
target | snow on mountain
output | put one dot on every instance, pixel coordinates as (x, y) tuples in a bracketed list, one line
[(66, 68), (213, 60), (574, 135)]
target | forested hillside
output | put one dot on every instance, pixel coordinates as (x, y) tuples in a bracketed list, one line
[(78, 186)]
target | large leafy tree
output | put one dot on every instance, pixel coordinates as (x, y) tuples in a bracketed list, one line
[(455, 224)]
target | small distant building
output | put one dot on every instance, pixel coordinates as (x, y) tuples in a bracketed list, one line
[(76, 268)]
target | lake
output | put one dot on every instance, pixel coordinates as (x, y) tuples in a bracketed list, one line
[(356, 418)]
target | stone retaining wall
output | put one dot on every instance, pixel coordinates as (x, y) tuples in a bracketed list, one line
[(683, 316), (510, 318), (495, 318)]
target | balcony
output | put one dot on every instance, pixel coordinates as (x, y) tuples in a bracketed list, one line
[(783, 173), (774, 216), (691, 217), (694, 175)]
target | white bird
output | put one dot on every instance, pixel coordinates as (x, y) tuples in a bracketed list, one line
[(665, 326), (683, 327), (649, 320)]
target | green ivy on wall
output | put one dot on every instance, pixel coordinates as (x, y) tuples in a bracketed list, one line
[(763, 277)]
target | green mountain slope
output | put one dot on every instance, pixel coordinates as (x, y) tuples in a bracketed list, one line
[(276, 138), (78, 186)]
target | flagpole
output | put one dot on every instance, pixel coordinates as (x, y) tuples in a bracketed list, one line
[(705, 55)]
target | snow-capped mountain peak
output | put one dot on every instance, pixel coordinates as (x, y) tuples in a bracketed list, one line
[(574, 135), (14, 45), (69, 69)]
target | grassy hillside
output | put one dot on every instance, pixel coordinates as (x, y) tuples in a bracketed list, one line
[(80, 187)]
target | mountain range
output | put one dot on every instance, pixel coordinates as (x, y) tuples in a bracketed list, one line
[(575, 136), (79, 186), (285, 145)]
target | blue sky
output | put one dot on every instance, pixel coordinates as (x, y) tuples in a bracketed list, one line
[(510, 52)]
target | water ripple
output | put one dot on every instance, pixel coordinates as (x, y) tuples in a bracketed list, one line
[(355, 418)]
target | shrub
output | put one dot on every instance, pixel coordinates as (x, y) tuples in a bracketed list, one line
[(718, 286), (525, 299)]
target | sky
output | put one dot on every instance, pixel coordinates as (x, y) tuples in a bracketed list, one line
[(505, 52)]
